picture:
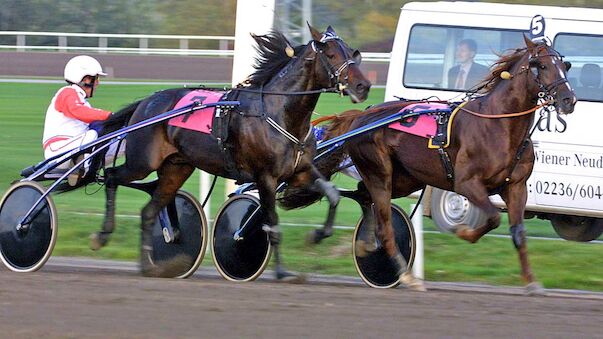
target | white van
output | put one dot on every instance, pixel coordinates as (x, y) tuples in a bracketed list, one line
[(566, 186)]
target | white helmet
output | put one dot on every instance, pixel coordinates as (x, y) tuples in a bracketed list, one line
[(80, 66)]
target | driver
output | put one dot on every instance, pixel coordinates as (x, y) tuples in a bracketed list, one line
[(69, 115)]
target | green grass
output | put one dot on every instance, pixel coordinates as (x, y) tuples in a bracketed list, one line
[(557, 264)]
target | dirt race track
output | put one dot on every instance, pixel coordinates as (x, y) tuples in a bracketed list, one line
[(73, 299)]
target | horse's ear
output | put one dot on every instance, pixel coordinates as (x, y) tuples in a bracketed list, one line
[(529, 43), (357, 57), (316, 35)]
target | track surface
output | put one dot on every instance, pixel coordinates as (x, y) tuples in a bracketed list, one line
[(91, 298)]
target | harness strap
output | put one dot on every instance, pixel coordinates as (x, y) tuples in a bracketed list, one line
[(522, 149), (447, 164), (300, 144)]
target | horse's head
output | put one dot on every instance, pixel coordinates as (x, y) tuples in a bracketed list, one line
[(339, 64), (550, 74)]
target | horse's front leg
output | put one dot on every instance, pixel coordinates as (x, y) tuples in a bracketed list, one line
[(477, 194), (515, 196), (267, 190)]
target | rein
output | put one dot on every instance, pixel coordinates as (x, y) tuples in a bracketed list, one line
[(316, 91), (508, 115)]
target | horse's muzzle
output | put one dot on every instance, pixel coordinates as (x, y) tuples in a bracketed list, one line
[(358, 92), (566, 103)]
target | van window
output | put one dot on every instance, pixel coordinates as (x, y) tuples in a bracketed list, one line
[(585, 52), (435, 53)]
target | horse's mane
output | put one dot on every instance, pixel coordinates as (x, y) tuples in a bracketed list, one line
[(505, 62), (271, 56)]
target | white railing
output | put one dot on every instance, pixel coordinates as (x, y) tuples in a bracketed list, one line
[(103, 43), (143, 44)]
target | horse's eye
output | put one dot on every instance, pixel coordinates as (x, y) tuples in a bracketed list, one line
[(542, 66)]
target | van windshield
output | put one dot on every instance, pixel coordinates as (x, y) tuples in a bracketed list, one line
[(454, 57), (585, 52)]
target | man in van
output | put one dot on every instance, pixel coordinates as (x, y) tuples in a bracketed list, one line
[(467, 73)]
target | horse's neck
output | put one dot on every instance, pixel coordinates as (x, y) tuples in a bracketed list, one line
[(294, 110), (513, 96)]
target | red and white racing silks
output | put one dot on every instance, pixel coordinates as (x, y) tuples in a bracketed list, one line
[(67, 120)]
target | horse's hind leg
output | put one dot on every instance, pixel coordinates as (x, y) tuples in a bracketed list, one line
[(113, 178), (171, 175), (363, 198), (377, 175)]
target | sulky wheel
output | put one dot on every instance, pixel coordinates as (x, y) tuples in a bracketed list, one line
[(376, 268), (246, 258), (188, 221), (27, 249)]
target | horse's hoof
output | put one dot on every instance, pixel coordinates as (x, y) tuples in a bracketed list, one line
[(312, 238), (464, 232), (167, 268), (535, 289), (412, 283), (176, 266), (291, 278), (97, 241), (363, 248)]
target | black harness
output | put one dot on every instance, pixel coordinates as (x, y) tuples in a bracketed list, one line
[(336, 85)]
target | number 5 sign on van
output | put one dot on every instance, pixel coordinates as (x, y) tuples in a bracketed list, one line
[(537, 27)]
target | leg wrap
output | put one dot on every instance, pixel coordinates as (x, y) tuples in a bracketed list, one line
[(517, 234), (274, 234), (328, 190)]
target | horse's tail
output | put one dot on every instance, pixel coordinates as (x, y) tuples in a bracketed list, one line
[(120, 118), (328, 165)]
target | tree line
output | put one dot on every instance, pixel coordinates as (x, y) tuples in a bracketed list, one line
[(360, 22)]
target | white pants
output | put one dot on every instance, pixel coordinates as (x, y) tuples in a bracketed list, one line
[(64, 145)]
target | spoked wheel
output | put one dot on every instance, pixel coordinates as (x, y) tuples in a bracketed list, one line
[(190, 234), (243, 259), (376, 269), (27, 249)]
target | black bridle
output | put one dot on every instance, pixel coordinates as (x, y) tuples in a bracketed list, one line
[(334, 72), (549, 91)]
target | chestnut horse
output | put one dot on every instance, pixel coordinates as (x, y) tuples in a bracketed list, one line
[(268, 135), (482, 151)]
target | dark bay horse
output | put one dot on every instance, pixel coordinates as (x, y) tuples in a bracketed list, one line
[(482, 150), (277, 101)]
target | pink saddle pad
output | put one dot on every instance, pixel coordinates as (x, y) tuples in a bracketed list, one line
[(421, 125), (200, 120)]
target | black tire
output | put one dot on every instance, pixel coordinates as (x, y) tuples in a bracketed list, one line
[(449, 209), (376, 269), (244, 259), (26, 251), (192, 240), (581, 229)]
